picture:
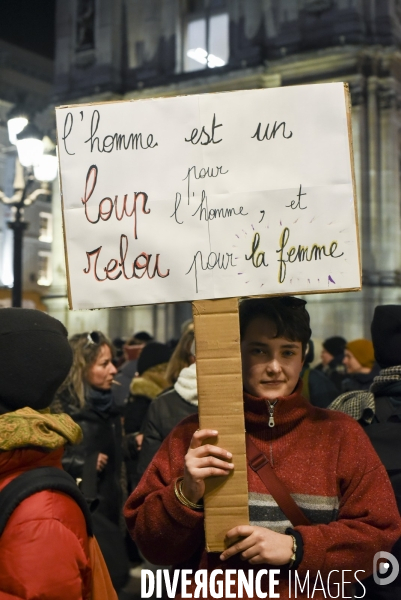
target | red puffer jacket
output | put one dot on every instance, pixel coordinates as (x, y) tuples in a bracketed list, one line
[(44, 547)]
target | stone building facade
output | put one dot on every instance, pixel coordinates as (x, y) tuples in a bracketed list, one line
[(25, 79), (125, 49)]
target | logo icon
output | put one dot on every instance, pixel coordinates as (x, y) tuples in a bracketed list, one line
[(385, 571)]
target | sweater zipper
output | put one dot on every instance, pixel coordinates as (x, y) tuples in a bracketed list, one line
[(270, 407), (271, 423)]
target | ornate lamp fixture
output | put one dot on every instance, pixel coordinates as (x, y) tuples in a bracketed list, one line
[(38, 157)]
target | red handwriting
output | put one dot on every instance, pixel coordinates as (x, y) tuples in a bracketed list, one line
[(142, 265), (107, 206)]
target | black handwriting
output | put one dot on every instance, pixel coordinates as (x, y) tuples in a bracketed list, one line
[(117, 141), (297, 203), (222, 260), (68, 121), (197, 136), (208, 172), (215, 213), (273, 133)]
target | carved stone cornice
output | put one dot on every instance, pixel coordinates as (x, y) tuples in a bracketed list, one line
[(315, 6), (387, 94), (397, 9), (357, 88), (373, 278), (85, 58)]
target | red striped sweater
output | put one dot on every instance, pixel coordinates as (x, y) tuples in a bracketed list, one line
[(326, 461)]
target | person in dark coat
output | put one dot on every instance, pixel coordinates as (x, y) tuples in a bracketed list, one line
[(359, 362), (378, 410), (127, 371), (98, 460), (332, 360), (166, 411), (317, 387), (145, 387)]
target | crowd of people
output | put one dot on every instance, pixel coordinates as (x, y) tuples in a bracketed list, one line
[(124, 418)]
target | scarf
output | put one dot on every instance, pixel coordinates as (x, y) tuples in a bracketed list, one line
[(361, 404), (101, 400), (186, 385), (28, 427)]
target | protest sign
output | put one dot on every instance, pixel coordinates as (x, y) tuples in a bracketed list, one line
[(208, 198)]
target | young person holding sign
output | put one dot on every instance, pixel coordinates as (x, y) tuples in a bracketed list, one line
[(323, 459)]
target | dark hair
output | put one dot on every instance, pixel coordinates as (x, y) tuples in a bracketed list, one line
[(288, 314)]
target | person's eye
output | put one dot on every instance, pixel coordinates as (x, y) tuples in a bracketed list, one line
[(288, 353), (257, 351)]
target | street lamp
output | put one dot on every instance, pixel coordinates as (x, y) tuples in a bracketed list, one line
[(38, 158), (17, 119)]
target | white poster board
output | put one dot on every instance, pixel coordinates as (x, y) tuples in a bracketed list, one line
[(208, 196)]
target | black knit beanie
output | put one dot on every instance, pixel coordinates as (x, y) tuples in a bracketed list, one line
[(334, 345), (386, 335), (153, 354), (35, 358)]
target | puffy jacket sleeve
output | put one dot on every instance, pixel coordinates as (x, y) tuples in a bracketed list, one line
[(166, 531), (43, 558), (368, 519)]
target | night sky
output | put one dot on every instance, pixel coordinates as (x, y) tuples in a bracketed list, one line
[(29, 24)]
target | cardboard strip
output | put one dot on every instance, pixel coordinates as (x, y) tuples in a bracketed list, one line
[(221, 407), (348, 108)]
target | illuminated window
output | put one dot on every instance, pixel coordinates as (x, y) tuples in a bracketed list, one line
[(44, 268), (45, 227), (206, 35)]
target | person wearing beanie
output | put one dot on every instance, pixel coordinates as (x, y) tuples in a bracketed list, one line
[(349, 508), (128, 368), (386, 335), (165, 412), (144, 388), (176, 402), (332, 360), (359, 362), (332, 348), (317, 387), (98, 460), (378, 411), (44, 546)]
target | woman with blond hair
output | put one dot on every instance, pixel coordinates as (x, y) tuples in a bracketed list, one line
[(86, 396), (183, 355)]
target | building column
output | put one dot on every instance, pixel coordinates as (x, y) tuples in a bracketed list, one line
[(373, 245), (389, 257), (56, 297), (361, 160)]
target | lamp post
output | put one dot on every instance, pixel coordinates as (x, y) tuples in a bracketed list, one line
[(41, 166)]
